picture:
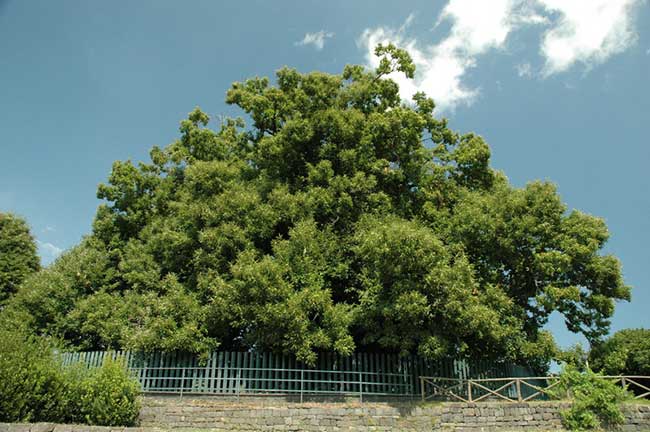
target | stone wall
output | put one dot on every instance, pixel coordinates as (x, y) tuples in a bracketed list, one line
[(276, 414), (280, 415)]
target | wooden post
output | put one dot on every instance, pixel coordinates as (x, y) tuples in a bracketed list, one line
[(518, 382), (469, 390), (422, 387)]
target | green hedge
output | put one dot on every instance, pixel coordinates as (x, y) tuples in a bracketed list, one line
[(35, 387)]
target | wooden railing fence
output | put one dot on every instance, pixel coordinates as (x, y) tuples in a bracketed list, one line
[(512, 389)]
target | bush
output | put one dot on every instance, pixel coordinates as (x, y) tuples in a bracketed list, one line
[(35, 387), (109, 396), (32, 386), (595, 400)]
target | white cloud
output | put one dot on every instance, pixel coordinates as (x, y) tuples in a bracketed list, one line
[(438, 72), (476, 28), (524, 70), (316, 39), (586, 31), (48, 251)]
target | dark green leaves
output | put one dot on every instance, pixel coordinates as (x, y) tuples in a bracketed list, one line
[(342, 219)]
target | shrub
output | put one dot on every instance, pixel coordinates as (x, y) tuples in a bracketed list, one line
[(595, 400), (32, 385), (35, 387), (108, 396)]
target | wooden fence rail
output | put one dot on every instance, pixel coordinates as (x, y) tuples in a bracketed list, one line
[(631, 382), (511, 389)]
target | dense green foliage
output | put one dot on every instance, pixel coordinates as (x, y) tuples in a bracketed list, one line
[(108, 395), (32, 386), (575, 356), (595, 401), (342, 219), (627, 352), (35, 387), (18, 256)]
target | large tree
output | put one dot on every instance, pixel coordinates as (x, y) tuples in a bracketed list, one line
[(341, 219), (18, 257)]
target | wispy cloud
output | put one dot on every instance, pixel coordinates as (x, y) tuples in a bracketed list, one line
[(524, 70), (48, 251), (48, 229), (316, 39), (577, 31)]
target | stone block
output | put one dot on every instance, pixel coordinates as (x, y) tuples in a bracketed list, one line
[(42, 427)]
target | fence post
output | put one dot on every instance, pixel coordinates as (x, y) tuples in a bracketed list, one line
[(360, 387), (238, 382), (519, 396), (143, 373), (302, 373), (469, 390), (422, 387), (623, 382), (213, 378), (182, 380)]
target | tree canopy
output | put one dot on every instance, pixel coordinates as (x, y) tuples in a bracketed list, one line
[(341, 219), (626, 352), (18, 256)]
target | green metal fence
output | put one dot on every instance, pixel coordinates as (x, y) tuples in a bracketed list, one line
[(241, 373)]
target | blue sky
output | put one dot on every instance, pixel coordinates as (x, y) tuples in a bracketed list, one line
[(559, 88)]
